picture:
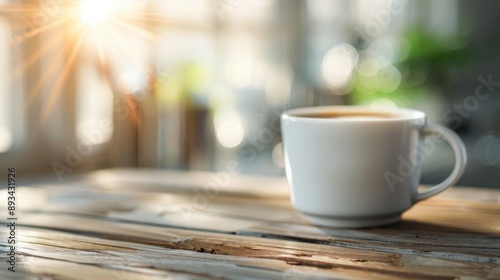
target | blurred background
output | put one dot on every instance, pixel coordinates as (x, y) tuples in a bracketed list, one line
[(200, 84)]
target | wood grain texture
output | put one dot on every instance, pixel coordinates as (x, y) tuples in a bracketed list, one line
[(106, 228)]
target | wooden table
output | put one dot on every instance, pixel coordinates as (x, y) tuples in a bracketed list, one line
[(126, 224)]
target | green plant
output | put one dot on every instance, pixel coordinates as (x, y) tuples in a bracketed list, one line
[(426, 64)]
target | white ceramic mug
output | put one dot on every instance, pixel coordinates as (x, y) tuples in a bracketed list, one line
[(351, 166)]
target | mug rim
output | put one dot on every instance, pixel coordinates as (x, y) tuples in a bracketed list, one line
[(401, 114)]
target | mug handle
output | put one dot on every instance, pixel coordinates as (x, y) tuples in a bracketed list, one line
[(460, 159)]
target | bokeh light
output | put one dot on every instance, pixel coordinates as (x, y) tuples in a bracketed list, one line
[(5, 139), (383, 103), (487, 150), (383, 51), (391, 79), (368, 68), (134, 79), (277, 155), (338, 64), (228, 128)]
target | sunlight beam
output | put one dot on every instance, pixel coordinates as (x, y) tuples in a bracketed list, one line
[(57, 89)]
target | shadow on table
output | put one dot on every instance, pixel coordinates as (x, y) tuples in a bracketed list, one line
[(427, 227)]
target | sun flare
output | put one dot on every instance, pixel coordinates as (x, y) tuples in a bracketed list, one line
[(111, 33), (93, 12)]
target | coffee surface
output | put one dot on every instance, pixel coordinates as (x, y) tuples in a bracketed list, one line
[(350, 115)]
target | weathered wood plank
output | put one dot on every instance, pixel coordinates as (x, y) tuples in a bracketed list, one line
[(61, 269), (130, 257), (332, 258), (459, 213), (172, 225)]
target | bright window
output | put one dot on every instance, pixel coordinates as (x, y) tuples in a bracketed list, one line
[(6, 120), (94, 117)]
